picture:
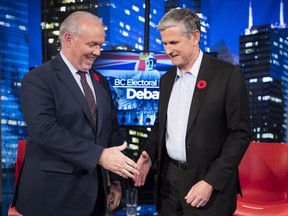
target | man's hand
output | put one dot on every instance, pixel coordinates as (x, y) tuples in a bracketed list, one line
[(114, 160), (114, 195), (199, 194), (144, 164)]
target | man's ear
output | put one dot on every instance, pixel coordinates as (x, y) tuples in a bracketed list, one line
[(67, 39), (196, 37)]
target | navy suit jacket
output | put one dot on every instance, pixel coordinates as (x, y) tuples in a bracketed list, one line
[(59, 176), (218, 131)]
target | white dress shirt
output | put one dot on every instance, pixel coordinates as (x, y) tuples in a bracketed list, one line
[(76, 76), (179, 109)]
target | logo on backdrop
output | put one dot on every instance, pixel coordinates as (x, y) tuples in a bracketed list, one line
[(134, 81)]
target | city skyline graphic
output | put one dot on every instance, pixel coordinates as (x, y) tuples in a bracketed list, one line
[(219, 19), (250, 33)]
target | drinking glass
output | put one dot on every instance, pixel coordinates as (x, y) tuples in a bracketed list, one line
[(131, 201)]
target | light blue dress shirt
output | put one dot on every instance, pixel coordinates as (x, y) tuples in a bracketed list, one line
[(179, 109)]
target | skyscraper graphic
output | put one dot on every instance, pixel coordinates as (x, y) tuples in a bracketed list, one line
[(264, 60), (125, 24), (225, 53), (157, 10), (13, 65)]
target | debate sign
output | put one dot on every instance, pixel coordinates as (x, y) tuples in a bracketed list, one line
[(134, 81)]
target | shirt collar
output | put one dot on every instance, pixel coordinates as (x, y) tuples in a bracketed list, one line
[(72, 69), (67, 62), (195, 68)]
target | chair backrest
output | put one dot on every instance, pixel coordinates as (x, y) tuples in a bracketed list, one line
[(264, 173), (20, 158)]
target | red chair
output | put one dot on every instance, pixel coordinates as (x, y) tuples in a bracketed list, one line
[(19, 162), (264, 180)]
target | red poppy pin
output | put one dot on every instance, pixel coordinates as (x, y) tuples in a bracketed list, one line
[(201, 84), (96, 77)]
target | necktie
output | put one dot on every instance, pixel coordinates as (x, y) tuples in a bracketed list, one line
[(88, 94)]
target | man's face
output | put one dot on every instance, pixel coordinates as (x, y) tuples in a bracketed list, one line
[(181, 49), (85, 48)]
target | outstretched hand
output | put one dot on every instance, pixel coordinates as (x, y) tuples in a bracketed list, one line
[(114, 160), (144, 164)]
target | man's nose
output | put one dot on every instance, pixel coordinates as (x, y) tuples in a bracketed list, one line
[(96, 51)]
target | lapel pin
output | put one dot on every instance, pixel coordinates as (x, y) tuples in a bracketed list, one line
[(201, 84), (96, 77)]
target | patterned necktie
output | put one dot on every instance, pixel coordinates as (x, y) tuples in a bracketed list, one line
[(88, 94)]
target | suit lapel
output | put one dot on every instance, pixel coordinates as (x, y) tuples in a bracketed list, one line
[(166, 87), (67, 78), (205, 74)]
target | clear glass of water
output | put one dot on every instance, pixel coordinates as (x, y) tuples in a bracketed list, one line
[(131, 201)]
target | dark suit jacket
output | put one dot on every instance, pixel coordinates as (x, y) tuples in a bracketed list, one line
[(218, 131), (59, 176)]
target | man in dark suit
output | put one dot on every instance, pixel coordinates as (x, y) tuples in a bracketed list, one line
[(202, 128), (73, 136)]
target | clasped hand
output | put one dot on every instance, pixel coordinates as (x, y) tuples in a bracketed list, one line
[(144, 163), (114, 160)]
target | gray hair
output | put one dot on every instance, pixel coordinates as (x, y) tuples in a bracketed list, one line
[(74, 22), (183, 17)]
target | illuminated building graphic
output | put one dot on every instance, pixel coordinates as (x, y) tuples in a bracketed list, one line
[(225, 53), (156, 13), (264, 60), (124, 23), (13, 65)]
